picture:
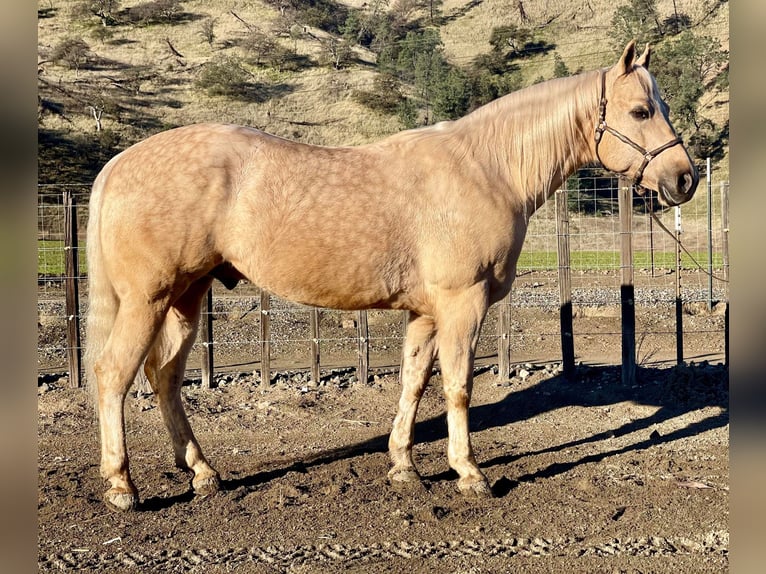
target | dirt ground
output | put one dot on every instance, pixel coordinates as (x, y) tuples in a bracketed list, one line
[(590, 475)]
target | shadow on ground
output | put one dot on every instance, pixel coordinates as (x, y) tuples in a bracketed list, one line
[(675, 391)]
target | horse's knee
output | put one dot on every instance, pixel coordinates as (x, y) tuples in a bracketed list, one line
[(458, 398)]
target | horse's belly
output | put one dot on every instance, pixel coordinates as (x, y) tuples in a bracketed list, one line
[(338, 279)]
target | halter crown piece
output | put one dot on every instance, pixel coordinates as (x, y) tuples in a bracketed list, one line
[(601, 127)]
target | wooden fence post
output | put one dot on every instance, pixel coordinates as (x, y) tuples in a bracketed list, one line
[(314, 344), (627, 289), (207, 340), (72, 272), (265, 337), (565, 285), (504, 339), (363, 332)]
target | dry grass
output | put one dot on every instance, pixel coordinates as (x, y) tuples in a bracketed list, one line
[(316, 103)]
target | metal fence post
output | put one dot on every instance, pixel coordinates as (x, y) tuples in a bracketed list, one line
[(72, 272), (207, 340), (725, 229), (504, 339), (363, 332), (709, 236), (314, 343), (265, 337)]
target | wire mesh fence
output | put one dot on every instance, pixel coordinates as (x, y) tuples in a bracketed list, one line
[(527, 323)]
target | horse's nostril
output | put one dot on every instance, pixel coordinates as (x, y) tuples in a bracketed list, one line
[(686, 183)]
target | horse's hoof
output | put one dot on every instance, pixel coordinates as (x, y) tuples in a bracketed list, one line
[(120, 500), (403, 476), (207, 486), (475, 489)]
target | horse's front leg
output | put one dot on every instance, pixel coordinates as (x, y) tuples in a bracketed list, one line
[(458, 334), (418, 358)]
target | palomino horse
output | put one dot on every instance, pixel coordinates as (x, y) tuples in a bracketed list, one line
[(429, 220)]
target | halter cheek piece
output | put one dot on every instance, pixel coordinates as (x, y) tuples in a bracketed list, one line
[(601, 127)]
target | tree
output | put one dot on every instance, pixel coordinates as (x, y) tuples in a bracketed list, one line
[(640, 20), (421, 62), (495, 74), (560, 69), (259, 47), (104, 9), (510, 39), (337, 52), (486, 86), (386, 95), (224, 76), (156, 11), (691, 65), (451, 94), (207, 30), (73, 52)]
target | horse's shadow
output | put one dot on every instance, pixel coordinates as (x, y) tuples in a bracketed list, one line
[(675, 391)]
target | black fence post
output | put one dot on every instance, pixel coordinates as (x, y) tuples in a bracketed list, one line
[(565, 285), (627, 289)]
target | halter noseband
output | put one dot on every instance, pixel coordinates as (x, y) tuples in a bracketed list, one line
[(601, 127)]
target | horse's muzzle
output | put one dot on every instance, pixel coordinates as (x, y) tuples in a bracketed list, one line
[(679, 189)]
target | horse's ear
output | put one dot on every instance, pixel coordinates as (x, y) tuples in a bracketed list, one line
[(625, 64), (643, 59)]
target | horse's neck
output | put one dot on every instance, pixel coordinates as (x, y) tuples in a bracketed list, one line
[(540, 135)]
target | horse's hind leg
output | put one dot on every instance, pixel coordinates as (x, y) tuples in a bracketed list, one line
[(164, 368), (134, 329), (418, 358), (458, 323)]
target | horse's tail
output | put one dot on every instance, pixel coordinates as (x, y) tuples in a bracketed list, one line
[(103, 302)]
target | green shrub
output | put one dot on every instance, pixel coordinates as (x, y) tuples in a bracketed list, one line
[(224, 76)]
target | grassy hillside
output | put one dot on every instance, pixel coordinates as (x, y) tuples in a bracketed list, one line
[(123, 81)]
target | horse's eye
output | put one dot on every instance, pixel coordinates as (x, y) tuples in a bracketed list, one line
[(640, 114)]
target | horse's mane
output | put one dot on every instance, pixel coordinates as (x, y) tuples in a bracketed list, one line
[(534, 133), (542, 129)]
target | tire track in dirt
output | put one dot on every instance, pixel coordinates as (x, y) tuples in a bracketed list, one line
[(282, 558)]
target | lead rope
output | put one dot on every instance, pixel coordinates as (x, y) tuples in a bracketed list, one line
[(681, 245)]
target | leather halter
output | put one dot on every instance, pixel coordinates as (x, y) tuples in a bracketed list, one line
[(601, 127)]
